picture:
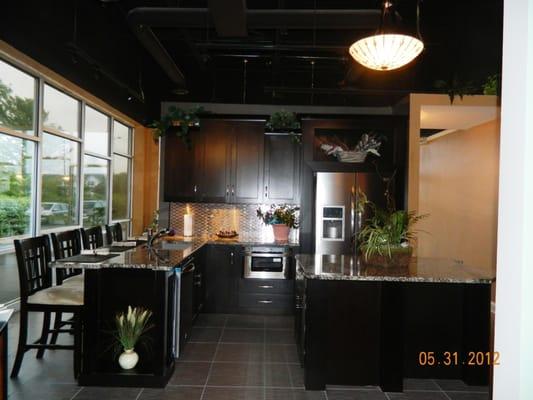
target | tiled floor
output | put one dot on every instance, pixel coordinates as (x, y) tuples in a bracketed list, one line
[(229, 357)]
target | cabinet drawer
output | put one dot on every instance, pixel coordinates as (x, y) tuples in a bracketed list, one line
[(274, 286), (257, 300)]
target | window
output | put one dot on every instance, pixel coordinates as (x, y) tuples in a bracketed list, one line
[(16, 188), (95, 183), (60, 112), (121, 138), (60, 172), (96, 132), (121, 168), (17, 100)]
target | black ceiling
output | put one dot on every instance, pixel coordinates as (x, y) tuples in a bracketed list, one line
[(91, 43)]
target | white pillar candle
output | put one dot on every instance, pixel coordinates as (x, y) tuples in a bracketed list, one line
[(187, 225)]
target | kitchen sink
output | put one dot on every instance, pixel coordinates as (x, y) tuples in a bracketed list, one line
[(175, 245)]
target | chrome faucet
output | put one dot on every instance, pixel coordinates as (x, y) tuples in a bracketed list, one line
[(153, 237)]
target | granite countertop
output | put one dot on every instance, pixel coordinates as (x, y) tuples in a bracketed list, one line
[(349, 267), (168, 252), (5, 315)]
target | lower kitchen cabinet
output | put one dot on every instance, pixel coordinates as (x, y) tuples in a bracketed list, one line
[(266, 296), (223, 269)]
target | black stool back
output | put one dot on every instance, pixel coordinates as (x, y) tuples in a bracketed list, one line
[(66, 244), (33, 258), (114, 233), (92, 238)]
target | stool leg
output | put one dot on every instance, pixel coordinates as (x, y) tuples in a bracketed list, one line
[(57, 325), (77, 344), (44, 334), (23, 336)]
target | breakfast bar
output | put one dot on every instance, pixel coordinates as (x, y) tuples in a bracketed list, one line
[(364, 325)]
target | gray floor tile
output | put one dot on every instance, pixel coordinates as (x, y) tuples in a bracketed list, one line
[(246, 352), (246, 321), (468, 396), (211, 320), (243, 336), (281, 353), (172, 393), (190, 373), (357, 394), (278, 375), (294, 394), (44, 392), (458, 385), (236, 374), (280, 336), (104, 393), (420, 384), (212, 393), (198, 352), (418, 396), (279, 322), (297, 375), (203, 334)]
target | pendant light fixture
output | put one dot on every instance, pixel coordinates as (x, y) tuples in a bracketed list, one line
[(390, 47)]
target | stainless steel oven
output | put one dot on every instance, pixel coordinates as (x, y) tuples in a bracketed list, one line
[(262, 262)]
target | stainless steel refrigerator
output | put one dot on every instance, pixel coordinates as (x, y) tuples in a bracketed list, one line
[(337, 221)]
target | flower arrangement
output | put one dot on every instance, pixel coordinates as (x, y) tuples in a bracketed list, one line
[(279, 215), (131, 326)]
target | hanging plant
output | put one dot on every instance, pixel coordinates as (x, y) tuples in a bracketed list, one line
[(455, 87), (285, 121), (492, 85), (182, 119)]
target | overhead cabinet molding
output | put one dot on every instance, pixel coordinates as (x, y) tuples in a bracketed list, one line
[(231, 161)]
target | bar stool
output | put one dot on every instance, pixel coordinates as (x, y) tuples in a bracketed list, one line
[(38, 295), (113, 233), (92, 238), (66, 244)]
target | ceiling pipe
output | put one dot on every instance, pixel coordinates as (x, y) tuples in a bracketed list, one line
[(168, 17)]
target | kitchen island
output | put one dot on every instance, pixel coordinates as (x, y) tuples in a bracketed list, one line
[(359, 325), (176, 280)]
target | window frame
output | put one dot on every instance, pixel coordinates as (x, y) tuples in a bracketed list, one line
[(40, 80)]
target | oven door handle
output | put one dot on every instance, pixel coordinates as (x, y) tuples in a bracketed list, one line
[(267, 255)]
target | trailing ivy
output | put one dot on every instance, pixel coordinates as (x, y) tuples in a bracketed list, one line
[(180, 118)]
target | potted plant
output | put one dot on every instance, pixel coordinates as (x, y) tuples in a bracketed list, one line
[(180, 119), (285, 121), (386, 237), (130, 327), (282, 218)]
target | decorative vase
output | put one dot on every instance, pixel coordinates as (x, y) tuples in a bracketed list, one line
[(400, 258), (128, 359), (281, 232)]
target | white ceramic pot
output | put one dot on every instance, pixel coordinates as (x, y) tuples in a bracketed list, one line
[(128, 359)]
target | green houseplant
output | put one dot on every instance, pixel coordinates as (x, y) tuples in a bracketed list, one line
[(385, 238), (282, 218), (130, 327), (179, 118), (285, 121)]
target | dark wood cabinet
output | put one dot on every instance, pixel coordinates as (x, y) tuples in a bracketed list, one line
[(186, 302), (182, 167), (282, 170), (247, 162), (223, 269), (231, 161)]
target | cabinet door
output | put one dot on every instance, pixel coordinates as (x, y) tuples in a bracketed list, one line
[(223, 265), (182, 168), (247, 163), (216, 137), (282, 170), (186, 306)]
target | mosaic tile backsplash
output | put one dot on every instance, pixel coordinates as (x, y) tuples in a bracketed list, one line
[(208, 219)]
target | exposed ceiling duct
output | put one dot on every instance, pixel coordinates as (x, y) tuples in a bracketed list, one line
[(143, 19)]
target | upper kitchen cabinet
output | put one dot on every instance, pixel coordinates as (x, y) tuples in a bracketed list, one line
[(214, 177), (232, 161), (247, 162), (182, 165), (282, 169)]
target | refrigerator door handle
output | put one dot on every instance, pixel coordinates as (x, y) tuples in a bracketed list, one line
[(353, 221)]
